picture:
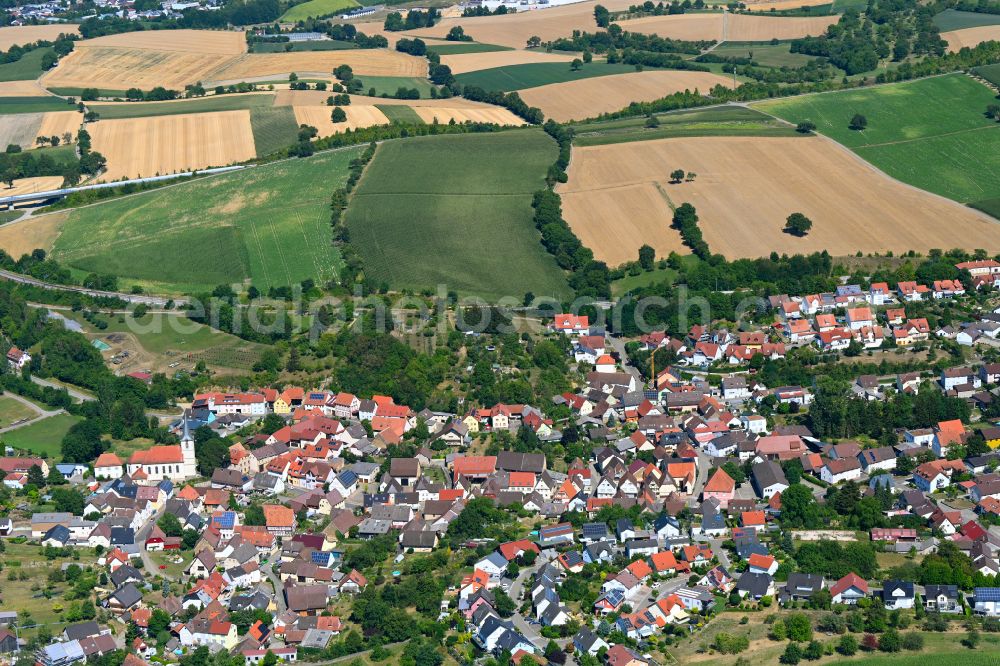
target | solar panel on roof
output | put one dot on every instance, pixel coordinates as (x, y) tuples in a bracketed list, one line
[(987, 593)]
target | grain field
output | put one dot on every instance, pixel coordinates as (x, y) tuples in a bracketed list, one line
[(587, 98), (444, 115), (729, 27), (745, 188), (374, 62), (358, 116), (25, 34), (958, 39), (470, 62), (21, 89), (167, 144), (58, 123), (38, 231), (20, 129), (209, 42), (122, 68)]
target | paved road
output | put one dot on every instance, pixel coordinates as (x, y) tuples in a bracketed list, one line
[(42, 414), (155, 301), (618, 344), (73, 393), (530, 631)]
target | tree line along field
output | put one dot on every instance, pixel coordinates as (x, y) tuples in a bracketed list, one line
[(931, 133), (269, 225), (455, 210)]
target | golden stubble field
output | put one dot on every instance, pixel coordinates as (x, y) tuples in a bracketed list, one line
[(587, 98), (217, 42), (21, 89), (358, 115), (470, 62), (729, 27), (971, 37), (444, 115), (25, 34), (619, 197), (166, 144), (58, 123)]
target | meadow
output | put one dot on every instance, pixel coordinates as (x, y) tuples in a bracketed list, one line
[(399, 113), (715, 121), (431, 211), (315, 9), (42, 437), (518, 77), (764, 53), (11, 105), (12, 410), (388, 85), (200, 105), (922, 132), (28, 67), (269, 225)]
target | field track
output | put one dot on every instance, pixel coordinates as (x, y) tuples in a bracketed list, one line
[(737, 28), (147, 146), (470, 62), (25, 34), (957, 39), (587, 98), (358, 116), (744, 190)]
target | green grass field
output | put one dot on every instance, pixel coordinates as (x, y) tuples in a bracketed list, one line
[(931, 133), (768, 55), (12, 410), (952, 19), (29, 67), (273, 128), (432, 211), (200, 105), (989, 72), (282, 47), (9, 215), (716, 121), (315, 9), (456, 48), (399, 113), (626, 284), (43, 437), (267, 224), (532, 75), (388, 85), (10, 105)]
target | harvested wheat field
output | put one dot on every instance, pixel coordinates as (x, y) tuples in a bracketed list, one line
[(120, 69), (58, 123), (587, 98), (167, 144), (515, 29), (729, 27), (470, 62), (957, 39), (215, 42), (445, 115), (357, 116), (32, 185), (25, 34), (778, 5), (318, 97), (744, 190), (374, 62), (18, 238), (20, 129), (21, 89)]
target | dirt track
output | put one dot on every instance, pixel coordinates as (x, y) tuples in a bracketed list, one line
[(166, 144), (745, 188), (587, 98)]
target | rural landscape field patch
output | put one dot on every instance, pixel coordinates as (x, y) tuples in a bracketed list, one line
[(745, 188), (931, 133), (434, 211), (168, 144), (729, 27), (25, 34), (470, 62), (970, 37), (358, 116), (269, 225)]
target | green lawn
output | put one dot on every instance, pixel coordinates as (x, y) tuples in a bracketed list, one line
[(930, 133), (29, 67), (388, 85), (715, 121), (9, 215), (952, 19), (433, 211), (234, 102), (766, 54), (644, 279), (273, 128), (12, 410), (316, 9), (43, 437), (519, 77), (456, 48), (268, 224), (399, 113), (32, 105)]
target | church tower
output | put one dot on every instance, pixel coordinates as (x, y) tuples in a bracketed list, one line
[(187, 446)]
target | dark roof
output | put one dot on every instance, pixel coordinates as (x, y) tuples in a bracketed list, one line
[(755, 584), (75, 632), (306, 597), (768, 473), (512, 461)]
